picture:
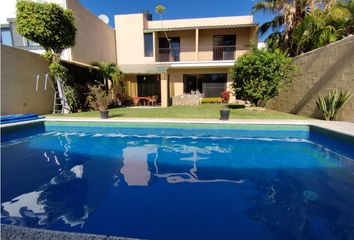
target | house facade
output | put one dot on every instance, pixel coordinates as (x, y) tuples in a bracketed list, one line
[(172, 57)]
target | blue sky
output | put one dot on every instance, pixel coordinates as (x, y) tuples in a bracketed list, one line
[(176, 9)]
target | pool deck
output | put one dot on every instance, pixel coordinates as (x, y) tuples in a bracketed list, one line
[(10, 232), (346, 128)]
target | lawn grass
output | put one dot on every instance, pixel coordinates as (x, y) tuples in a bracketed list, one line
[(202, 111)]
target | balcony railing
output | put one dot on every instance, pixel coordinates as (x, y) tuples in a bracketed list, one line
[(206, 53)]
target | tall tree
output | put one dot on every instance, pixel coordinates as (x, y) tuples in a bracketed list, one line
[(322, 27), (288, 15), (52, 27), (160, 9)]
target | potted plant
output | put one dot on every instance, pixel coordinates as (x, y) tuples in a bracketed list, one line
[(99, 99), (225, 113)]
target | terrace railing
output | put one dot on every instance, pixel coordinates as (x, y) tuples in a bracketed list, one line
[(204, 53)]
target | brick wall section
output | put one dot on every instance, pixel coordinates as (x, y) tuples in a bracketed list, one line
[(319, 71), (19, 69)]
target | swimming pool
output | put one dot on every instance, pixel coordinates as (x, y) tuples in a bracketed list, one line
[(179, 181)]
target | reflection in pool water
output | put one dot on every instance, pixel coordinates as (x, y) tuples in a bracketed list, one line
[(178, 187)]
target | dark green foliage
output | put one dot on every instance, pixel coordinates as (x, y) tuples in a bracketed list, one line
[(259, 74), (109, 71), (320, 28), (303, 25), (236, 106), (47, 24)]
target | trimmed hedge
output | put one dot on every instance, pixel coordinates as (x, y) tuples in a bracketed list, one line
[(212, 100)]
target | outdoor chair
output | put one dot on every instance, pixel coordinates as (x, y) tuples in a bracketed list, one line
[(153, 100), (136, 101)]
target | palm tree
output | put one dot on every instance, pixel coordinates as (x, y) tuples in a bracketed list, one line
[(289, 14), (349, 5), (109, 71), (160, 9), (321, 27)]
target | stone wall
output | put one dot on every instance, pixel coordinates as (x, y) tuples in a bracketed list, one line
[(19, 70), (319, 71), (186, 99)]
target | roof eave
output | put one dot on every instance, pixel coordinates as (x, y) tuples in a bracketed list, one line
[(201, 27)]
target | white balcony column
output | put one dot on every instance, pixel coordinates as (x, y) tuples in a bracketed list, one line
[(197, 44), (164, 89), (229, 87)]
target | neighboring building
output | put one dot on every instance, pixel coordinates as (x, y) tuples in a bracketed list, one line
[(262, 45), (95, 40), (199, 56)]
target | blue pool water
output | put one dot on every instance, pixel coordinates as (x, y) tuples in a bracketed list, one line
[(179, 181)]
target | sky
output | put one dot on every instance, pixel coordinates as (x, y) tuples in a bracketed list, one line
[(176, 9)]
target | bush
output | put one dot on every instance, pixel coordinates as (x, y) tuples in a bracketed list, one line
[(76, 95), (259, 74), (71, 97), (99, 99), (212, 100), (330, 104), (225, 95), (236, 106)]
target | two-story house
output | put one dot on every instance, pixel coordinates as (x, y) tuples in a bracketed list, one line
[(171, 57)]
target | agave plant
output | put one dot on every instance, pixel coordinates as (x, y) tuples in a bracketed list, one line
[(330, 104)]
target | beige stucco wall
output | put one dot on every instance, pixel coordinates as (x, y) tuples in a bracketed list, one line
[(95, 40), (244, 38), (19, 69), (321, 70), (130, 39)]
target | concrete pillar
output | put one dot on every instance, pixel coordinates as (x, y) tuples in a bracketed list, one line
[(229, 88), (164, 89), (197, 44)]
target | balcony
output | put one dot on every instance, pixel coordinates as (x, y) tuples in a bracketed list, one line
[(206, 53)]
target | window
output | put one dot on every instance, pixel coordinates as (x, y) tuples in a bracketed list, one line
[(167, 54), (224, 47), (148, 45), (6, 36), (210, 85)]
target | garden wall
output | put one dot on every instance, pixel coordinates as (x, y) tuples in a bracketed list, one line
[(19, 69), (95, 40), (319, 71)]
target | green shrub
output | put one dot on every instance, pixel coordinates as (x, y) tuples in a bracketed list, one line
[(71, 97), (330, 104), (212, 100), (99, 99), (236, 106), (259, 74)]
